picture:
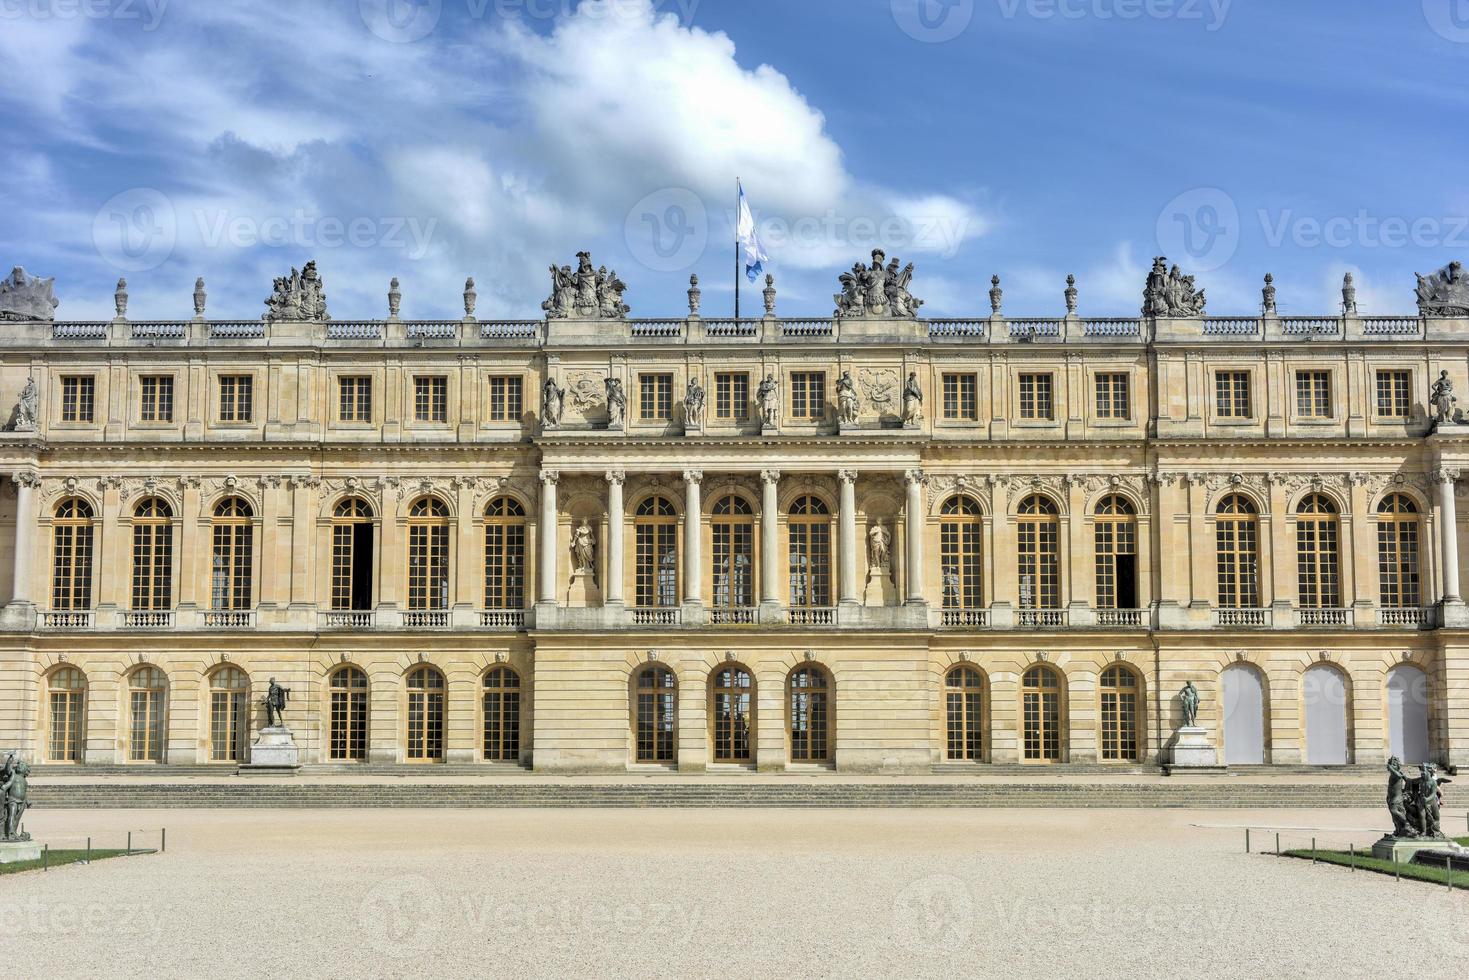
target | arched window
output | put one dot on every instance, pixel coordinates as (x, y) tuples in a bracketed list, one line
[(809, 524), (352, 555), (71, 557), (229, 715), (733, 554), (1040, 703), (1318, 553), (1237, 553), (733, 707), (501, 702), (655, 715), (148, 714), (964, 708), (1324, 692), (66, 705), (1114, 534), (233, 563), (1121, 704), (428, 554), (426, 698), (504, 554), (152, 555), (1038, 528), (347, 737), (961, 534), (655, 530), (810, 716), (1397, 553)]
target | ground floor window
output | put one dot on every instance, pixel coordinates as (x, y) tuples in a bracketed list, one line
[(66, 702), (809, 716), (425, 715), (347, 739), (655, 715), (1121, 698), (1041, 715), (501, 715), (147, 703), (229, 715), (733, 704), (964, 707)]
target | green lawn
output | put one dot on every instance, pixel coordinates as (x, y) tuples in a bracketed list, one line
[(56, 858), (1365, 862)]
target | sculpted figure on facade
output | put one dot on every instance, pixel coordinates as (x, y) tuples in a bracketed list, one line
[(24, 297), (297, 297), (693, 403), (1444, 293), (552, 401), (848, 407), (912, 399), (879, 547), (768, 395), (28, 408), (616, 403), (1442, 399), (877, 290), (1170, 293), (584, 548), (585, 293)]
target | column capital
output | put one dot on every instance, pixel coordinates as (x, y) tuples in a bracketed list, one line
[(1444, 474), (29, 479), (550, 476), (915, 476), (770, 476), (693, 476), (615, 477), (847, 476)]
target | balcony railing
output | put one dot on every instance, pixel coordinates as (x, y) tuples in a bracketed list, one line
[(1313, 326), (1391, 326), (657, 616), (347, 619), (662, 329), (160, 330), (238, 329), (432, 329), (812, 616), (426, 619), (229, 619), (66, 620), (1242, 617), (1418, 619), (732, 616), (502, 619), (731, 328), (964, 618), (147, 619), (1031, 329), (1323, 617), (354, 330), (957, 328), (806, 328), (1122, 618), (80, 330), (509, 329), (1113, 328), (1041, 618), (1230, 326)]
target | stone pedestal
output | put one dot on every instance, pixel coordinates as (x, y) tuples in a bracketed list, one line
[(274, 753), (583, 593), (1402, 849), (24, 850), (880, 590), (1193, 750)]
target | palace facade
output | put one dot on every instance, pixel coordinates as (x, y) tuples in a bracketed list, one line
[(866, 542)]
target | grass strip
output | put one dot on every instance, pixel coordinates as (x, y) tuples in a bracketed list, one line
[(57, 858)]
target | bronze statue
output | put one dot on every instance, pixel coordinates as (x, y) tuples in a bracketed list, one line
[(1188, 698), (275, 705), (1397, 785), (13, 790)]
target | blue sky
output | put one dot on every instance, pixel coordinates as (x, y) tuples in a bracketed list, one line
[(438, 139)]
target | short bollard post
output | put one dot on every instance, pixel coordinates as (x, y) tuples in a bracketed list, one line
[(1448, 873), (1313, 850), (1247, 840), (130, 844), (1277, 845), (1397, 870), (163, 841), (46, 858), (89, 850), (1352, 848)]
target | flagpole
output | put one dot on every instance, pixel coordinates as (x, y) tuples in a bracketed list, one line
[(737, 248)]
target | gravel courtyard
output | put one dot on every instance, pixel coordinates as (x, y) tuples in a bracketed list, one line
[(732, 893)]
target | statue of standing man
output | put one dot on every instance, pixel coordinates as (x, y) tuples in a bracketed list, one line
[(13, 791), (1188, 698), (275, 705)]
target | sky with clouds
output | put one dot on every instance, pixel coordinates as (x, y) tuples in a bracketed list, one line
[(433, 140)]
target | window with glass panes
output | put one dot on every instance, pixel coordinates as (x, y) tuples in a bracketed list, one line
[(1397, 553), (961, 397), (655, 715), (354, 398), (500, 705), (155, 403), (655, 532), (1038, 540), (229, 719), (1237, 554), (964, 714), (809, 527), (431, 399), (732, 690), (1114, 536), (507, 398), (808, 395), (504, 554), (1037, 397), (1114, 399), (960, 535), (1121, 698), (1040, 703), (152, 555), (232, 568), (1232, 394), (1313, 394), (809, 715), (732, 396), (78, 398), (733, 554), (655, 397), (66, 704), (347, 734), (1394, 394), (71, 556), (1318, 557), (352, 532), (236, 397), (425, 728), (147, 714), (428, 555)]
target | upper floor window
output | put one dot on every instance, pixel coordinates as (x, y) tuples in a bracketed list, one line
[(428, 555), (1037, 397), (809, 526), (156, 398), (152, 555), (71, 557), (1318, 553), (507, 398), (655, 401), (1038, 536), (655, 530), (961, 397), (1313, 394), (733, 555), (1115, 540), (1397, 553), (504, 554), (1232, 394), (732, 396), (808, 395), (1114, 400), (431, 399), (960, 551), (352, 551), (236, 397), (78, 398), (233, 565), (1394, 394), (1237, 553), (354, 398)]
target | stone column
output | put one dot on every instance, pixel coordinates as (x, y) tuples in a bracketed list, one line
[(847, 535), (615, 557), (693, 531), (914, 535), (26, 482), (548, 536), (769, 536), (1449, 533)]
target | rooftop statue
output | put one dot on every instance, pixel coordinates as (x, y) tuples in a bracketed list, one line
[(24, 297), (298, 297), (585, 293), (1170, 293), (1445, 293), (877, 290)]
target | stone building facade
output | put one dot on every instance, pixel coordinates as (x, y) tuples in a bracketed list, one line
[(864, 543)]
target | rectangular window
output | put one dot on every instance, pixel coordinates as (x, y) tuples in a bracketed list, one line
[(1394, 394), (78, 398), (507, 398), (431, 399), (1036, 397), (1313, 394), (355, 403), (1114, 399), (961, 397), (808, 395), (236, 397), (732, 397), (655, 402), (156, 404), (1232, 394)]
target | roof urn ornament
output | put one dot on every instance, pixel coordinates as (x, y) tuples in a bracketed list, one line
[(200, 296), (120, 298), (695, 295), (470, 296), (1349, 295), (997, 296), (395, 298), (1070, 295), (24, 297), (1267, 295), (769, 293)]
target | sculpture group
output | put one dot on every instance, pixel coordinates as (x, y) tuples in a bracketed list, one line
[(877, 290), (24, 297), (1170, 293), (297, 297), (1414, 802), (1445, 293), (13, 791), (585, 293)]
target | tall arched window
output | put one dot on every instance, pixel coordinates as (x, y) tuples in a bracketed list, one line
[(1038, 529), (655, 530), (1318, 553), (347, 735), (1040, 704), (233, 568), (66, 706), (1397, 553), (428, 554), (152, 555), (504, 554), (809, 716), (1237, 553), (1121, 705), (147, 714), (733, 554), (732, 714), (352, 555), (809, 524), (961, 534), (426, 696), (655, 715), (964, 711), (71, 557), (1114, 532), (501, 704), (229, 715)]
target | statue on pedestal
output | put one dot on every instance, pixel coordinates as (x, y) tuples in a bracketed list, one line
[(28, 408), (13, 790), (879, 548), (1397, 805), (912, 399), (768, 395), (584, 549), (1442, 399), (1415, 803), (848, 407), (275, 705), (552, 399), (1188, 698), (616, 403), (693, 403)]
